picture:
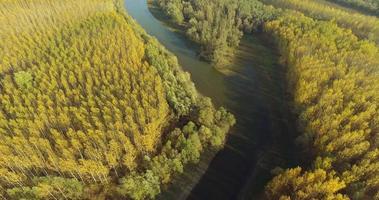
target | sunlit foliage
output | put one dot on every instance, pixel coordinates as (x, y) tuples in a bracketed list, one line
[(88, 100), (366, 27), (371, 6), (293, 184), (334, 80)]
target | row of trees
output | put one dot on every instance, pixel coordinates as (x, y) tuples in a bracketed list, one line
[(217, 25), (371, 6), (333, 77), (366, 27), (90, 105)]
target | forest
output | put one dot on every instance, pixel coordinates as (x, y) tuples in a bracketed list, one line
[(333, 77), (366, 27), (332, 61), (91, 106), (370, 6), (217, 25)]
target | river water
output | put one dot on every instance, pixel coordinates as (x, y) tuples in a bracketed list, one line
[(254, 91)]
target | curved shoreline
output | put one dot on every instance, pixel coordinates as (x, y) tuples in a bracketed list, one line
[(254, 93)]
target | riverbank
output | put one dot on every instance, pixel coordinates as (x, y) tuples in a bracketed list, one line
[(254, 93), (226, 69)]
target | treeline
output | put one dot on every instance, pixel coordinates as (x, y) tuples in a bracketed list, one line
[(91, 106), (334, 80), (217, 25), (370, 6), (366, 27)]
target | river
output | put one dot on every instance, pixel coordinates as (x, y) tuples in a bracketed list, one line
[(254, 92)]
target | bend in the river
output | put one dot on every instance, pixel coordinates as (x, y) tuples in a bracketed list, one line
[(254, 93)]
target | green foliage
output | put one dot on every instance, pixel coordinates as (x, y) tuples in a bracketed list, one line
[(173, 8), (371, 6), (213, 25), (192, 148), (366, 27), (23, 79), (253, 14), (217, 25), (100, 94), (49, 188), (145, 186), (87, 111), (180, 91), (333, 79), (23, 193)]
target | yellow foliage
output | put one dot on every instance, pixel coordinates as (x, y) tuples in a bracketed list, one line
[(89, 91)]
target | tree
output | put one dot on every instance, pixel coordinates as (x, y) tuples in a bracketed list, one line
[(336, 99), (85, 95), (49, 188), (23, 79), (140, 186), (293, 184)]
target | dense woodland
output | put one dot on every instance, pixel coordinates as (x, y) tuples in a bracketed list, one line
[(334, 80), (370, 6), (91, 106), (204, 20), (217, 25), (332, 60), (366, 27)]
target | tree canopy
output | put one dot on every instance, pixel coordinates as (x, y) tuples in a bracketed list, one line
[(366, 27), (333, 77), (217, 25), (90, 104), (332, 59), (371, 6)]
